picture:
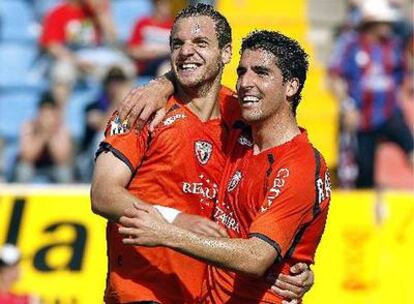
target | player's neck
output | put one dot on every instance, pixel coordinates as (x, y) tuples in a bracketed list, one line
[(274, 131), (203, 100)]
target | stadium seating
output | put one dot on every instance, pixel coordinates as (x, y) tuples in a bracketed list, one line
[(16, 107), (18, 66), (43, 6), (22, 73), (9, 156), (127, 12), (74, 112), (17, 21)]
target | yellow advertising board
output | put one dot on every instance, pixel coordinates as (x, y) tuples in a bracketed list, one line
[(365, 256), (62, 241)]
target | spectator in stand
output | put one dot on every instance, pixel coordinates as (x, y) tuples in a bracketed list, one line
[(149, 43), (116, 86), (45, 146), (9, 274), (80, 37), (366, 74)]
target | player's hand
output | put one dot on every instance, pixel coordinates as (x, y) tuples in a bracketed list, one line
[(199, 225), (293, 286), (142, 102), (145, 226)]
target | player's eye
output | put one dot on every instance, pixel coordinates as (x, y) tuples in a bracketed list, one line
[(202, 44), (176, 44), (261, 72), (241, 71)]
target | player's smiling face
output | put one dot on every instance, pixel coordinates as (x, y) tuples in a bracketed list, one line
[(260, 86), (195, 54)]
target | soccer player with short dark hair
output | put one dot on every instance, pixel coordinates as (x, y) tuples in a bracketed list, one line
[(273, 199)]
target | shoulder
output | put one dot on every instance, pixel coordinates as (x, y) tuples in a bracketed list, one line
[(116, 127), (306, 172), (349, 38), (175, 117), (347, 42), (299, 149), (301, 162)]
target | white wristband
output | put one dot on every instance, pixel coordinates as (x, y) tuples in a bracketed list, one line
[(169, 214)]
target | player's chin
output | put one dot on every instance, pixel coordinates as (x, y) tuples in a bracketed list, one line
[(190, 82), (251, 116)]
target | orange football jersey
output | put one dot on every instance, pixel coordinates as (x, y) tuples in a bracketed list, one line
[(179, 165), (281, 196)]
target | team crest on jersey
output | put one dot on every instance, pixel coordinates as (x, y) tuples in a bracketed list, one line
[(245, 141), (118, 127), (203, 150), (235, 180), (170, 120)]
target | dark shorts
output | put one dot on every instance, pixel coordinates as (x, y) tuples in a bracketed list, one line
[(395, 130)]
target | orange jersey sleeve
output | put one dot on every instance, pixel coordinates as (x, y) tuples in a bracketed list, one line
[(127, 144)]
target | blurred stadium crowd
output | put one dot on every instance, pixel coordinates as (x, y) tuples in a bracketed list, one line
[(65, 65), (371, 75)]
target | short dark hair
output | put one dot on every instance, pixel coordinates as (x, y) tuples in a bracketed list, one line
[(222, 26), (291, 59), (47, 99), (115, 74)]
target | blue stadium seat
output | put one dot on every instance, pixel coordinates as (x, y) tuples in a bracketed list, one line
[(18, 68), (41, 7), (127, 12), (16, 107), (74, 112), (143, 80), (9, 156), (17, 21)]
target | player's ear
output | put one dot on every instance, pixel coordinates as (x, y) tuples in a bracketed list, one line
[(292, 87), (226, 53)]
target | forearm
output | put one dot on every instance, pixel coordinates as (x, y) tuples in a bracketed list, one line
[(112, 201), (239, 255)]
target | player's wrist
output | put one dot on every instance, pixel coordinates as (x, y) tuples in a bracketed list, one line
[(169, 214)]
